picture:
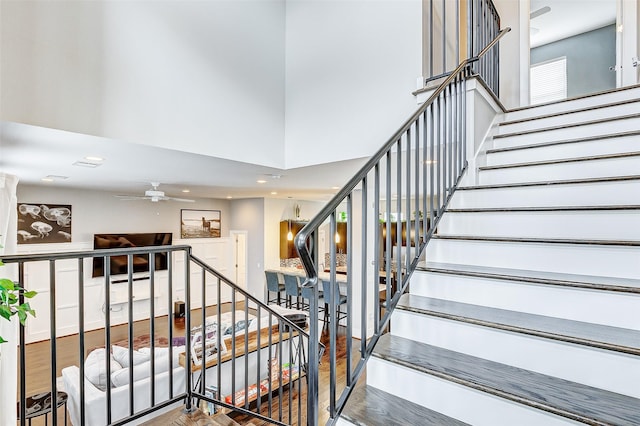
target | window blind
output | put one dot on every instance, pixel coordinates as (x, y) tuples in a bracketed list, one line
[(549, 81)]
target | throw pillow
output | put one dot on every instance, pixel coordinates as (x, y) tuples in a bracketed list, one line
[(95, 368), (140, 371), (121, 355)]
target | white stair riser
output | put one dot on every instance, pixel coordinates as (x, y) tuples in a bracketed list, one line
[(614, 309), (561, 134), (600, 260), (596, 194), (560, 171), (570, 150), (574, 117), (598, 225), (616, 372), (574, 104), (457, 401)]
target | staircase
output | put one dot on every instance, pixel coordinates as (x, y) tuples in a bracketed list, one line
[(527, 308)]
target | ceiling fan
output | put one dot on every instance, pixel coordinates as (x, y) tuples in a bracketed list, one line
[(154, 195)]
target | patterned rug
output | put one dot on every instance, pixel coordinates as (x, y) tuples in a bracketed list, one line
[(144, 341)]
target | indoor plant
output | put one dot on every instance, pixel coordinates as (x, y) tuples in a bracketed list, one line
[(10, 303)]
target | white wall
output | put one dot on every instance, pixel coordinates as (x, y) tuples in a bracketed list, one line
[(351, 67), (176, 74), (248, 216), (95, 212), (514, 53)]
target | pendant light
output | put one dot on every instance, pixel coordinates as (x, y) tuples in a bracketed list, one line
[(290, 234)]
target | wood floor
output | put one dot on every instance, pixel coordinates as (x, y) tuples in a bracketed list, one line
[(39, 363)]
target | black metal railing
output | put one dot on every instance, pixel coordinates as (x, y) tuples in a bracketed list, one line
[(254, 359), (392, 207), (452, 25)]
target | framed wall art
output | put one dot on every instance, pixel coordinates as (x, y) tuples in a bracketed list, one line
[(200, 223), (44, 223)]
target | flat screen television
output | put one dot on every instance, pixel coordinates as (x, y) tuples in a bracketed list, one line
[(119, 264)]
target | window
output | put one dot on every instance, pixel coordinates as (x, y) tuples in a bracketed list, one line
[(549, 81)]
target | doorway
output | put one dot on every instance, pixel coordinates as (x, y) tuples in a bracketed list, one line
[(573, 48)]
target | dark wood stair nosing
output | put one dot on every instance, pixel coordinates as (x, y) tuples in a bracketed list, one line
[(572, 111), (563, 142), (523, 330), (532, 280), (567, 126), (574, 98), (561, 161), (543, 209), (364, 398), (490, 388), (585, 181), (617, 243)]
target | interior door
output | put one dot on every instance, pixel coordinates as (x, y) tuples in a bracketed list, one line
[(240, 257)]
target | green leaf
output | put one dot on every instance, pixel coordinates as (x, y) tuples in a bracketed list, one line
[(6, 312), (2, 340), (30, 294), (7, 284), (26, 308), (22, 316)]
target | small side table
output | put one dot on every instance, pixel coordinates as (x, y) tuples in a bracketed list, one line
[(40, 405)]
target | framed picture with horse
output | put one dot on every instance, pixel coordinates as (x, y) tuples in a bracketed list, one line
[(199, 223)]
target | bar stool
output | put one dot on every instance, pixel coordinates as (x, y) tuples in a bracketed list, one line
[(274, 286), (332, 295), (292, 290)]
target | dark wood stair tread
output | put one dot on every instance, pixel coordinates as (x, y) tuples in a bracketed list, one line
[(586, 181), (623, 243), (591, 282), (571, 111), (561, 161), (559, 329), (370, 406), (540, 209), (563, 142), (568, 125), (561, 397)]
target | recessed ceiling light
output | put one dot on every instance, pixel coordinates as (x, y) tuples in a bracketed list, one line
[(261, 181), (86, 164), (47, 179), (186, 191), (90, 158), (274, 193), (229, 197), (335, 187)]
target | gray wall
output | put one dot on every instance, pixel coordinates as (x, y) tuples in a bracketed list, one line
[(589, 56)]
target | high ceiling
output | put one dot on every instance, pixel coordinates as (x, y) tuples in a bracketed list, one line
[(33, 153), (559, 19)]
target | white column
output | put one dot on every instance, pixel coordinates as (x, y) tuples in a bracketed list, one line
[(8, 330)]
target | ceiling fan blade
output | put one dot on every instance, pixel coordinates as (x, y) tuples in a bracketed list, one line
[(183, 200), (539, 12), (131, 197)]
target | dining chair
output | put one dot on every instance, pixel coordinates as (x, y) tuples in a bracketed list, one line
[(274, 286), (331, 295)]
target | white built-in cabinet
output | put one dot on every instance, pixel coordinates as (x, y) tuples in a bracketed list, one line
[(216, 252)]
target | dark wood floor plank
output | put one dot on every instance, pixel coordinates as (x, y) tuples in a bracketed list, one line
[(561, 397), (369, 406)]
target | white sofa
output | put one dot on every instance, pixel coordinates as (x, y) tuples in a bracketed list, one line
[(96, 380), (95, 397)]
